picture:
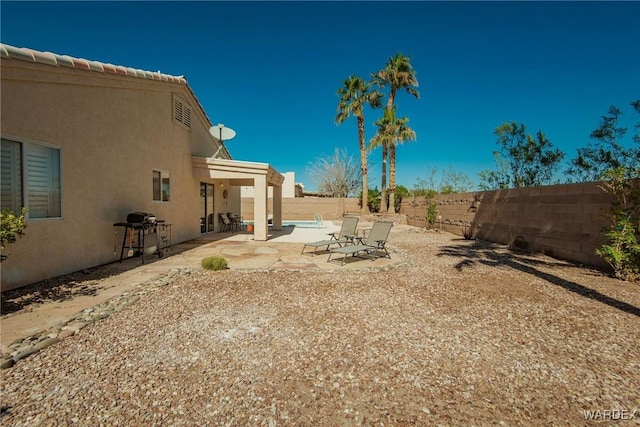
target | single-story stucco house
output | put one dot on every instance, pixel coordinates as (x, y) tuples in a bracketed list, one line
[(85, 143)]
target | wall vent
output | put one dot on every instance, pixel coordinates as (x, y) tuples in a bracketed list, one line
[(181, 112)]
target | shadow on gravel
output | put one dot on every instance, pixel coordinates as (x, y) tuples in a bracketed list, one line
[(84, 283), (485, 253), (4, 410), (57, 289), (72, 285)]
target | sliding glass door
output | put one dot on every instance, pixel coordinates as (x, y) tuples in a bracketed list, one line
[(207, 219)]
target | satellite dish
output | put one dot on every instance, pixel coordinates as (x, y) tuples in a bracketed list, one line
[(222, 133)]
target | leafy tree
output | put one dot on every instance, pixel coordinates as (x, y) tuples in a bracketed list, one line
[(607, 151), (450, 182), (454, 182), (401, 193), (397, 74), (337, 175), (392, 131), (374, 200), (422, 188), (426, 187), (532, 161), (496, 179), (354, 96)]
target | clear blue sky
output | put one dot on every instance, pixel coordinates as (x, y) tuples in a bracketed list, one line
[(270, 70)]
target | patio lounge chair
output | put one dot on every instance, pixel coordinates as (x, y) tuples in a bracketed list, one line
[(371, 245), (345, 236)]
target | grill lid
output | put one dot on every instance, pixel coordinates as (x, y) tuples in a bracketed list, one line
[(141, 217)]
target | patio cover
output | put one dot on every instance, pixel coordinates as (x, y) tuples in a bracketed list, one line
[(259, 175)]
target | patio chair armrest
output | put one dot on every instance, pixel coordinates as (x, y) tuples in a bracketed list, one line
[(352, 238)]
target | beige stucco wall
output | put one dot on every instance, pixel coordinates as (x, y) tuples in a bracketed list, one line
[(288, 187), (112, 131)]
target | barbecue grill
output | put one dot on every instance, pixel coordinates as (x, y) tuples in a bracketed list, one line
[(141, 234), (141, 218)]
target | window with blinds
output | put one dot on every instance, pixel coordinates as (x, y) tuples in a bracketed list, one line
[(11, 176), (31, 178)]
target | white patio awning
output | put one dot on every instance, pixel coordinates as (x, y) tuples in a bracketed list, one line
[(239, 173)]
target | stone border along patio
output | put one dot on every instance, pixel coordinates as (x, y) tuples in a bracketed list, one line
[(24, 347)]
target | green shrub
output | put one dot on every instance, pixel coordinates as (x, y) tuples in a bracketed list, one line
[(622, 252), (12, 226), (373, 201), (432, 212), (214, 263)]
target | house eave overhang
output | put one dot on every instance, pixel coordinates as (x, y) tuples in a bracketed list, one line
[(235, 170)]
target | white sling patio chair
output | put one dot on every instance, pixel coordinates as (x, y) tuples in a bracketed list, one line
[(345, 236), (371, 245)]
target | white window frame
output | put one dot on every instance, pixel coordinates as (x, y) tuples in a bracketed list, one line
[(54, 182), (164, 195)]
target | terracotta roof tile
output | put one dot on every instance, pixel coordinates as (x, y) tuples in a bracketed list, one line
[(16, 53), (43, 57), (97, 66), (30, 55), (81, 64), (109, 68), (121, 70), (64, 60)]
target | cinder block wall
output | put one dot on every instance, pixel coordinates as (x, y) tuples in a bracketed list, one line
[(562, 221), (305, 208)]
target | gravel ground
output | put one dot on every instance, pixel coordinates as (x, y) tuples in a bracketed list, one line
[(463, 333)]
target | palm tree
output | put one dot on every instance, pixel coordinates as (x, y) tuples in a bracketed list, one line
[(398, 74), (354, 96), (392, 131), (383, 138)]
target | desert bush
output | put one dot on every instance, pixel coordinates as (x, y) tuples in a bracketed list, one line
[(622, 252), (432, 212), (467, 231), (12, 226), (214, 263)]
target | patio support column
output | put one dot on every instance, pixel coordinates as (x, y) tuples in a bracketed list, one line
[(277, 207), (260, 228)]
